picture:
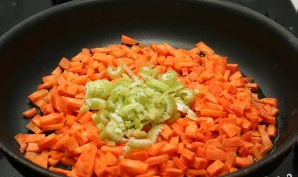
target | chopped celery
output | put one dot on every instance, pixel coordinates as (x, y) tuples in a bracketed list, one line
[(84, 108), (157, 84), (185, 109), (171, 108), (114, 73), (154, 132), (138, 143), (98, 89), (129, 103), (124, 110), (171, 79), (102, 116), (168, 77), (187, 95), (96, 103), (137, 133), (112, 133), (148, 71), (100, 126)]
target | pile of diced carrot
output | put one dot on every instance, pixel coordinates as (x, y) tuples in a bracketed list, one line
[(235, 127)]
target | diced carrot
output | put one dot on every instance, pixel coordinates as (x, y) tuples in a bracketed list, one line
[(155, 148), (51, 119), (113, 170), (111, 159), (152, 172), (245, 125), (200, 163), (179, 163), (204, 48), (232, 67), (141, 155), (35, 96), (128, 40), (212, 113), (191, 131), (215, 168), (68, 161), (232, 142), (188, 154), (161, 49), (124, 60), (253, 86), (33, 138), (85, 164), (168, 149), (71, 144), (72, 89), (33, 127), (256, 153), (271, 131), (36, 120), (231, 160), (64, 63), (99, 167), (133, 167), (80, 138), (56, 71), (116, 150), (173, 172), (270, 101), (30, 112), (214, 153), (201, 152), (73, 102), (265, 137), (196, 172), (166, 132), (31, 155), (84, 117), (236, 75), (157, 159), (216, 142), (47, 142), (52, 127), (231, 129), (101, 50), (55, 157), (81, 80), (32, 147), (242, 162), (42, 159), (20, 138)]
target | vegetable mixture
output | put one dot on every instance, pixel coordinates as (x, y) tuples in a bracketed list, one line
[(134, 110)]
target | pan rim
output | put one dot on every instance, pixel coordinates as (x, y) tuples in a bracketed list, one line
[(291, 40)]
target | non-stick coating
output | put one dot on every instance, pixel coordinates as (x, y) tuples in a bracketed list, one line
[(263, 49)]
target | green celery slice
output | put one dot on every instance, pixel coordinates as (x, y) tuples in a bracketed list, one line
[(114, 73), (135, 143)]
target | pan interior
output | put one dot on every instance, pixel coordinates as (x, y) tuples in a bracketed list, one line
[(33, 49)]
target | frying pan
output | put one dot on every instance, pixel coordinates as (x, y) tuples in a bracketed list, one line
[(263, 49)]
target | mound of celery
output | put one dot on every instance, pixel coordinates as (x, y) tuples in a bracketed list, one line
[(129, 103)]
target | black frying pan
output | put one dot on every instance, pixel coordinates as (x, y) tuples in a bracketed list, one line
[(264, 50)]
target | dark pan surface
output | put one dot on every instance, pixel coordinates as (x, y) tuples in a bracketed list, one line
[(264, 50)]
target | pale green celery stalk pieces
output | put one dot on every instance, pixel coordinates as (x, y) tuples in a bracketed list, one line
[(128, 104), (96, 103), (114, 73), (98, 89)]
